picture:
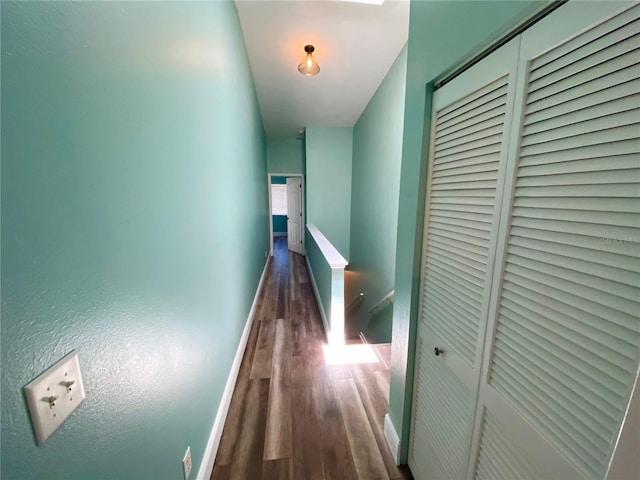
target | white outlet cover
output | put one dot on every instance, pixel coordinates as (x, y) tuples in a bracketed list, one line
[(46, 418)]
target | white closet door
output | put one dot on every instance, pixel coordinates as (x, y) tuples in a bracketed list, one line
[(472, 118), (564, 331)]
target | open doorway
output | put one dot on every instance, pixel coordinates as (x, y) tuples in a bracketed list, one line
[(286, 207)]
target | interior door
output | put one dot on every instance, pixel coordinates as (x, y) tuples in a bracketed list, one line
[(529, 333), (295, 219), (472, 117), (563, 342)]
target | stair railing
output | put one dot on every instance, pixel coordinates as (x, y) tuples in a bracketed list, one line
[(382, 304)]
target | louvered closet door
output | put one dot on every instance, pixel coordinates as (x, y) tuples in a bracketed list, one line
[(564, 336), (472, 116)]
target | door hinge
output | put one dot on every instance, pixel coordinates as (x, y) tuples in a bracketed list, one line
[(300, 241)]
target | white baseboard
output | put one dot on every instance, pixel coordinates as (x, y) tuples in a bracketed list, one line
[(279, 234), (325, 322), (392, 438), (211, 450)]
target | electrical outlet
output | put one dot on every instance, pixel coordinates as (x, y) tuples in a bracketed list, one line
[(186, 463), (54, 395)]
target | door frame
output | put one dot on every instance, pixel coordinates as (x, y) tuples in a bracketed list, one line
[(301, 175)]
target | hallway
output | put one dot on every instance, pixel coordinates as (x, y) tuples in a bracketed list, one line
[(293, 416)]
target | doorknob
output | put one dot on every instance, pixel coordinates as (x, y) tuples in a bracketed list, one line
[(438, 351)]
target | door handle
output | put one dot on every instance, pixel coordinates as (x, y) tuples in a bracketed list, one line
[(438, 351)]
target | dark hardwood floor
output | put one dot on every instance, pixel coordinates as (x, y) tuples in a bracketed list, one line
[(292, 416)]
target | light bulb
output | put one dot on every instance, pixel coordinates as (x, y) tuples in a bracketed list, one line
[(309, 66)]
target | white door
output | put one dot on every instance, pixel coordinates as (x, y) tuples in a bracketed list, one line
[(529, 334), (563, 338), (472, 118), (295, 220)]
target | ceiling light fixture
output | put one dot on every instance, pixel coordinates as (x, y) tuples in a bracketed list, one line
[(309, 66)]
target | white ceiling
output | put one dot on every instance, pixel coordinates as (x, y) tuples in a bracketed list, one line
[(355, 43)]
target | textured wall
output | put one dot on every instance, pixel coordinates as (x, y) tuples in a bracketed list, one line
[(328, 156), (123, 127), (441, 35), (377, 151)]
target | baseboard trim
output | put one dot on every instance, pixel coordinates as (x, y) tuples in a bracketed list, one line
[(316, 292), (392, 438), (211, 450), (279, 234)]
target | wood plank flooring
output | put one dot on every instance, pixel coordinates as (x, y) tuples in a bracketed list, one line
[(292, 416)]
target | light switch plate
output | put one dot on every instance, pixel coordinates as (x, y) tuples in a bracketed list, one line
[(54, 395)]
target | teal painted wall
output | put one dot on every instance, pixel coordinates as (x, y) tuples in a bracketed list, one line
[(321, 272), (328, 157), (375, 185), (122, 123), (279, 223), (330, 289), (275, 180), (441, 35), (285, 155)]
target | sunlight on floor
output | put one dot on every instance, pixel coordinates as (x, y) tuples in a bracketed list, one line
[(349, 354)]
